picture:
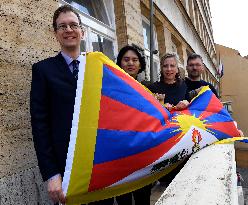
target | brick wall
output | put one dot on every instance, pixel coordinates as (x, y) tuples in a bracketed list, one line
[(120, 21), (128, 23)]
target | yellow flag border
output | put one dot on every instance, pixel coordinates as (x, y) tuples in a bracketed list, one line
[(110, 192)]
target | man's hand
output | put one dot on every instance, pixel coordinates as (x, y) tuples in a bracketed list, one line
[(54, 189), (182, 105)]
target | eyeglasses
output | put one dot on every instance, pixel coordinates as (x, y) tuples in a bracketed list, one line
[(73, 26), (194, 65)]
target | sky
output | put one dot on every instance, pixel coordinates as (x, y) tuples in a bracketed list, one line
[(230, 23)]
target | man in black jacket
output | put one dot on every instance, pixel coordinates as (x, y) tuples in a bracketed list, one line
[(53, 91), (195, 68)]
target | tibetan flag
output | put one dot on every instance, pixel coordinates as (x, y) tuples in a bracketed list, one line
[(122, 138)]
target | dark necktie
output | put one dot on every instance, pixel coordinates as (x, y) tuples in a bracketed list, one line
[(75, 64)]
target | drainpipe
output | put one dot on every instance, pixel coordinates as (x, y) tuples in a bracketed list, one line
[(151, 41)]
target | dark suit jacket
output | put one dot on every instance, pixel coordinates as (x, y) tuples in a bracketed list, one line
[(52, 99)]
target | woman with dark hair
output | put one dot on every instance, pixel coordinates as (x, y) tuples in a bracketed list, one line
[(171, 89), (132, 62)]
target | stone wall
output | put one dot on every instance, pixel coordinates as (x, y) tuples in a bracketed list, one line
[(24, 187), (133, 22), (26, 37), (121, 27), (209, 177), (128, 23)]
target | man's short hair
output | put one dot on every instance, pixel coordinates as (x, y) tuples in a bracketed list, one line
[(64, 9), (194, 56)]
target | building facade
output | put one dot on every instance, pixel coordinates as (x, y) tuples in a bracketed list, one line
[(233, 84), (181, 26), (233, 90)]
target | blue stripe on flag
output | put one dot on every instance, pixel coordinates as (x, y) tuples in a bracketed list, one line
[(117, 89), (218, 134), (222, 116), (200, 103), (113, 144), (224, 112)]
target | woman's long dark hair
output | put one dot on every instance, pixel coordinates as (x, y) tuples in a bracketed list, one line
[(169, 55), (132, 48)]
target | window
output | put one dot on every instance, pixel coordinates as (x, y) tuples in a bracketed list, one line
[(177, 48), (146, 34), (147, 37), (94, 8), (102, 44), (83, 46), (188, 52), (156, 70), (173, 47)]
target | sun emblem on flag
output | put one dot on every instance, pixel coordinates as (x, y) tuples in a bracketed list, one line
[(185, 122)]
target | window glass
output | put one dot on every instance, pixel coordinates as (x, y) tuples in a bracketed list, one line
[(156, 68), (147, 37), (94, 8), (146, 34), (173, 47), (102, 44), (156, 71), (83, 46)]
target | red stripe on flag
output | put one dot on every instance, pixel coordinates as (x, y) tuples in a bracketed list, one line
[(139, 88), (228, 128), (115, 115), (214, 106), (108, 173)]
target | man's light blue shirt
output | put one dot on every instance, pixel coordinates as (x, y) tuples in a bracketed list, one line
[(69, 60)]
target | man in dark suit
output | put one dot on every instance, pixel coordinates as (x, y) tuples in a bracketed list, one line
[(53, 90)]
